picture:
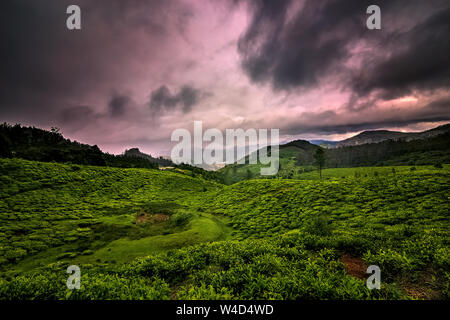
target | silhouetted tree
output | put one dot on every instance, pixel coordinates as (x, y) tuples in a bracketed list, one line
[(249, 174), (319, 160)]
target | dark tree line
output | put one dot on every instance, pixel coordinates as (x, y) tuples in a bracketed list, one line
[(37, 144), (430, 151), (41, 145)]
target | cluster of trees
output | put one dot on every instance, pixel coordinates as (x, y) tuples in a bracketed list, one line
[(123, 161), (36, 144), (136, 153), (196, 171), (430, 151), (435, 150), (299, 157)]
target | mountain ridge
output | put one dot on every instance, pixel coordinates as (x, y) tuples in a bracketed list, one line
[(375, 136)]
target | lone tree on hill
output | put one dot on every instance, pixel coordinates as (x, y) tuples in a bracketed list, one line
[(319, 157), (249, 174)]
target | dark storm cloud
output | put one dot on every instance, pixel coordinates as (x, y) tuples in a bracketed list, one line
[(420, 59), (163, 99), (45, 67), (297, 50), (76, 117), (118, 104), (51, 76)]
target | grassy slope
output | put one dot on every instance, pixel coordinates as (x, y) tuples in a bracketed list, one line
[(363, 172), (301, 228), (383, 202), (60, 211), (288, 155), (297, 158)]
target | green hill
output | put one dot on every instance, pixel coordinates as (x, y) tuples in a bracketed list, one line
[(297, 157), (69, 211), (149, 234), (32, 143)]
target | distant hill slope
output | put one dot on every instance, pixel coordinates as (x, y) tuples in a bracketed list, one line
[(36, 144), (376, 136), (324, 143), (297, 157), (41, 145)]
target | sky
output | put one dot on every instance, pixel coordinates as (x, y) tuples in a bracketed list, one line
[(137, 70)]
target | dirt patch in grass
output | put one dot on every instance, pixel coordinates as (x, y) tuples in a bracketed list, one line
[(354, 266), (416, 292), (424, 287), (151, 218)]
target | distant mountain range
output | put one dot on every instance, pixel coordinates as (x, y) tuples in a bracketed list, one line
[(376, 136), (370, 148), (324, 143)]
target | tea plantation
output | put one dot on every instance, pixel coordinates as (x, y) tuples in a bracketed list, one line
[(150, 234)]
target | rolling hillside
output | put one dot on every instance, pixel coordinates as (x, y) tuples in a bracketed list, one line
[(54, 211), (297, 157), (149, 234)]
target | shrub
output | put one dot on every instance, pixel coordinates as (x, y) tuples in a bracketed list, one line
[(318, 225), (180, 219), (390, 262), (204, 292)]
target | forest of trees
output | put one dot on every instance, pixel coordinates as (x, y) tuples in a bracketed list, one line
[(430, 151), (36, 144)]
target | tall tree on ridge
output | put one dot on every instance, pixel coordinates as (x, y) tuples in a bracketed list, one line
[(319, 157)]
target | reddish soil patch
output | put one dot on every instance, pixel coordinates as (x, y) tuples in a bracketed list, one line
[(417, 293), (146, 217), (425, 287), (354, 266)]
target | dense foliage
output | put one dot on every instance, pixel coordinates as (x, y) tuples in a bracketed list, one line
[(297, 157), (50, 146), (399, 152), (45, 205), (36, 144), (149, 234), (276, 269)]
